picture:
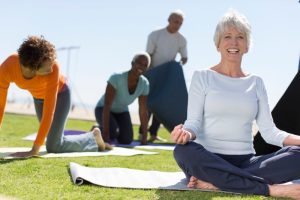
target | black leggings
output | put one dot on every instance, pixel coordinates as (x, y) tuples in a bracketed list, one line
[(120, 126)]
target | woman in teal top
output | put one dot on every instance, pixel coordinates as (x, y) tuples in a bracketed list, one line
[(122, 89)]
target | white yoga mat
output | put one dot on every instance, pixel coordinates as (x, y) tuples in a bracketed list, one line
[(132, 178), (134, 144), (30, 137), (116, 151), (128, 178)]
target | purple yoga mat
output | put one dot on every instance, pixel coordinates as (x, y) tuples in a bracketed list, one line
[(73, 132)]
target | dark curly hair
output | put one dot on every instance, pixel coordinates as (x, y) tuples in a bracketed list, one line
[(34, 51)]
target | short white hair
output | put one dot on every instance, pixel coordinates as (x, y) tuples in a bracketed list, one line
[(142, 53), (233, 19), (176, 13)]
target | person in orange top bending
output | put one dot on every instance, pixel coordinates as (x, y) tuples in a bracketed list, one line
[(35, 69)]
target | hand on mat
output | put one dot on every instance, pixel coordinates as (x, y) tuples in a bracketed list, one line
[(179, 135), (27, 154), (143, 139)]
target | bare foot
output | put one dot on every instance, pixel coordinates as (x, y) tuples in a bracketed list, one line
[(99, 139), (94, 126), (199, 184), (108, 146), (289, 191)]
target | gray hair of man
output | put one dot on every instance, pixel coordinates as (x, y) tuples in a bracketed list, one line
[(176, 13), (139, 54), (233, 19)]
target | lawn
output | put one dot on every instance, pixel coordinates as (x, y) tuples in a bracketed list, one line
[(41, 178)]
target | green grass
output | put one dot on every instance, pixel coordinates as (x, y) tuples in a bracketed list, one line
[(41, 178)]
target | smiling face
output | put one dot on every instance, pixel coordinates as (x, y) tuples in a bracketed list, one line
[(140, 65), (233, 44)]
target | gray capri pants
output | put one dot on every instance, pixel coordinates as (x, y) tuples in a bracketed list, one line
[(56, 141)]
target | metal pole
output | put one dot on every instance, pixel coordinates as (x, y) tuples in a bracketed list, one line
[(68, 49)]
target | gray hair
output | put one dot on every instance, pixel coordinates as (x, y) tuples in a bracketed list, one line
[(142, 53), (176, 13), (233, 19)]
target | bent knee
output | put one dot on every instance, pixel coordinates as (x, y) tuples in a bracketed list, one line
[(52, 148), (190, 146), (295, 149), (186, 150)]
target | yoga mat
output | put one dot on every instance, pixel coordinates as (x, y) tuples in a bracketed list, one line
[(286, 116), (134, 144), (168, 96), (128, 178), (132, 178), (116, 151), (32, 137), (159, 146)]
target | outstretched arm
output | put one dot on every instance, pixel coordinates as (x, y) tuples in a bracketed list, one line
[(292, 140), (4, 85), (143, 112), (109, 97), (3, 95)]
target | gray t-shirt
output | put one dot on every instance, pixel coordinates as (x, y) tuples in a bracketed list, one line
[(164, 46), (221, 111), (122, 97)]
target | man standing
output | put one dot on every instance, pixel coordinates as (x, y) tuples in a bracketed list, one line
[(163, 45)]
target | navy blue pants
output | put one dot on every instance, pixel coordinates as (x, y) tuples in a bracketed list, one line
[(154, 125), (247, 174), (120, 126)]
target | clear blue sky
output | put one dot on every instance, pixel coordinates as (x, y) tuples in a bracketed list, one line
[(109, 32)]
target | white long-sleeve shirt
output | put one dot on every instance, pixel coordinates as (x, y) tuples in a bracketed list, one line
[(221, 111)]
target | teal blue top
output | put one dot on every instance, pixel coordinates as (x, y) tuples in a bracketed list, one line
[(122, 97)]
